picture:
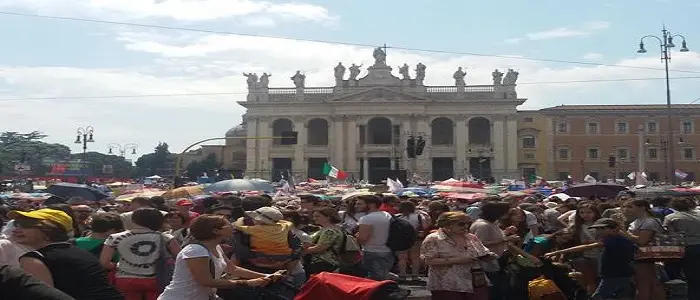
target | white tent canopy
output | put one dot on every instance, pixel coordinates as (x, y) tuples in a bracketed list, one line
[(154, 177)]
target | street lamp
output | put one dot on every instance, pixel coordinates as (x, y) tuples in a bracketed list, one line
[(122, 148), (84, 136), (665, 43)]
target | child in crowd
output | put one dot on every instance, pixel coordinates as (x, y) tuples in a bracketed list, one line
[(616, 260), (269, 238)]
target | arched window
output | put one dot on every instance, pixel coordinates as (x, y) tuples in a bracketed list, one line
[(442, 131), (279, 126), (479, 131), (379, 131), (318, 132)]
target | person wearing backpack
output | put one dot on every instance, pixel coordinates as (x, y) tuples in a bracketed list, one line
[(373, 234)]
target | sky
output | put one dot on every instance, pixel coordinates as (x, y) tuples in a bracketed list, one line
[(171, 70)]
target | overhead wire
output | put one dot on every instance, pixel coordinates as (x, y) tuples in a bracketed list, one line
[(245, 93), (121, 23)]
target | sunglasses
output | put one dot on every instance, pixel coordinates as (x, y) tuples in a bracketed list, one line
[(27, 223)]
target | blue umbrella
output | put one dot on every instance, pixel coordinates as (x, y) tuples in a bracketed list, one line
[(422, 192)]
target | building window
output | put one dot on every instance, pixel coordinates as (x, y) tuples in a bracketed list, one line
[(528, 141), (528, 120), (621, 127), (687, 127), (593, 153), (563, 153), (563, 176), (529, 156), (651, 127), (688, 153), (563, 127), (592, 127), (653, 153), (623, 153)]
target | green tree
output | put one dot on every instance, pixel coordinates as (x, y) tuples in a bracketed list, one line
[(96, 161), (160, 162), (208, 165), (27, 148)]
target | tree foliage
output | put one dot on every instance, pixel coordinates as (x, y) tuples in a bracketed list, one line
[(208, 165), (96, 161), (160, 162), (27, 148)]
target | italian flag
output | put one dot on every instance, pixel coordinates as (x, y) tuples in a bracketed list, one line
[(333, 172)]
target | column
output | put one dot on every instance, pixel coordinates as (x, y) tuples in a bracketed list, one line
[(299, 162), (263, 159), (365, 167), (511, 153), (252, 155), (499, 147), (425, 161), (407, 162), (461, 147), (353, 139), (339, 140)]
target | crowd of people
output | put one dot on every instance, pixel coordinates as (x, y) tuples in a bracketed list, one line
[(225, 247)]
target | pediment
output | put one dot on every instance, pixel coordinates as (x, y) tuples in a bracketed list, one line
[(379, 94)]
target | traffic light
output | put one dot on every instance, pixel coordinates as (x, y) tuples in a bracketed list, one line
[(420, 145), (289, 138), (611, 161), (411, 147)]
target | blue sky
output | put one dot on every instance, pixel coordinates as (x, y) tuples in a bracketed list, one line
[(59, 59)]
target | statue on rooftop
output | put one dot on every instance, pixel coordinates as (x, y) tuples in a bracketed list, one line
[(420, 72), (379, 57), (511, 77), (339, 72), (403, 70), (265, 80), (459, 77), (252, 79), (299, 79), (354, 71), (497, 77)]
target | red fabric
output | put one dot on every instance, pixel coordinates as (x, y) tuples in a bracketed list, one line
[(335, 286), (388, 208)]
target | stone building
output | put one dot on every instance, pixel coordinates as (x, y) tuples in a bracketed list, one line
[(361, 125), (584, 138)]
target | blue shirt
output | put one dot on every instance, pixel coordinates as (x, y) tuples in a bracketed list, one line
[(618, 255)]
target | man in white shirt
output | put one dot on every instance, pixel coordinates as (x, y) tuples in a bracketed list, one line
[(373, 233)]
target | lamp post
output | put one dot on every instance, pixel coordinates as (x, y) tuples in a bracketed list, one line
[(122, 148), (84, 137), (666, 43)]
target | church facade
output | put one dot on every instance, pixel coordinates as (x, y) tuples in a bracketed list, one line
[(362, 125)]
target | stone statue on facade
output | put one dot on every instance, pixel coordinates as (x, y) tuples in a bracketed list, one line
[(379, 57), (459, 77), (420, 72), (354, 71), (403, 70), (252, 79), (299, 80), (497, 77), (265, 80), (511, 77), (339, 73)]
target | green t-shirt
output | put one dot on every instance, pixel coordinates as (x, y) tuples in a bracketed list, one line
[(90, 244)]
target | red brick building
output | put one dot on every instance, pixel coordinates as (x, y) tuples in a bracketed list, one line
[(584, 139)]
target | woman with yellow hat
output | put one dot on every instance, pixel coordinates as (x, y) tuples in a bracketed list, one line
[(56, 262)]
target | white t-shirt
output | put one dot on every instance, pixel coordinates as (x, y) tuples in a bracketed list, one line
[(183, 286), (138, 251), (530, 219), (10, 252), (380, 222)]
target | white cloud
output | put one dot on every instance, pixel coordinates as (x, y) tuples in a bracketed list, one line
[(181, 10), (585, 29), (592, 56)]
